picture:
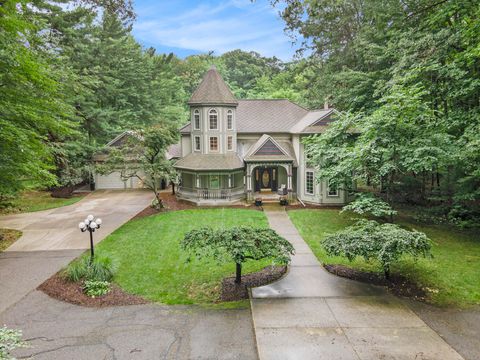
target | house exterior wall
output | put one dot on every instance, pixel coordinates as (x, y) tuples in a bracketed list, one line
[(204, 132)]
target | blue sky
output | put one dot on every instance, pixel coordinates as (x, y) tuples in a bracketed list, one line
[(193, 27)]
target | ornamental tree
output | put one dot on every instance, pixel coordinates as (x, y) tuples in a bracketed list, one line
[(385, 243), (368, 204), (238, 244), (143, 156)]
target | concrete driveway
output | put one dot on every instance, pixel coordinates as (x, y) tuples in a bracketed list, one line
[(57, 229), (51, 238)]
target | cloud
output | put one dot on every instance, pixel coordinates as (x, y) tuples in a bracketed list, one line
[(220, 26)]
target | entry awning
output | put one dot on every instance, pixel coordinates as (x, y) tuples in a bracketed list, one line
[(268, 149)]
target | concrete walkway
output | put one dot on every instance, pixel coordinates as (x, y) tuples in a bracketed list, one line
[(312, 314), (51, 238)]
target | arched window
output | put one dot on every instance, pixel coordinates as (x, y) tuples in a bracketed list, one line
[(229, 119), (196, 120), (213, 119)]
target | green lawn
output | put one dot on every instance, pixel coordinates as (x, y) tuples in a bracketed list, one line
[(34, 200), (452, 276), (152, 264)]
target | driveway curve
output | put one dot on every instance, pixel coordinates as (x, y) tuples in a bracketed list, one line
[(51, 238), (57, 229)]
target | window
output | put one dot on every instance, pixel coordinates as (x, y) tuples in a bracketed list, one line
[(213, 143), (309, 182), (213, 119), (197, 143), (229, 119), (308, 155), (229, 142), (332, 189), (196, 120)]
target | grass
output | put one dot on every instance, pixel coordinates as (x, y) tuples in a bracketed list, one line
[(8, 237), (152, 264), (35, 200), (451, 277)]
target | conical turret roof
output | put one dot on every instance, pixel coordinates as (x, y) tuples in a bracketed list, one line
[(212, 91)]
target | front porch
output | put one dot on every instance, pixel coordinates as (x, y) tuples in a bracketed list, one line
[(270, 181), (212, 188)]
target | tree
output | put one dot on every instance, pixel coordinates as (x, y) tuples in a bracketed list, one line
[(385, 243), (142, 155), (368, 204), (238, 244), (32, 104)]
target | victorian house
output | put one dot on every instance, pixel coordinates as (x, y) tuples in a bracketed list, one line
[(236, 149)]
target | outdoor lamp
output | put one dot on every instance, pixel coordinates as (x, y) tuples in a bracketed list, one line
[(89, 224)]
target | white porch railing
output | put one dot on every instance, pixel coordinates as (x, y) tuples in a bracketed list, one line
[(211, 194)]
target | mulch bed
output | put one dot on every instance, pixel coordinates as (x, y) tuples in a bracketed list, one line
[(397, 284), (64, 290), (233, 292)]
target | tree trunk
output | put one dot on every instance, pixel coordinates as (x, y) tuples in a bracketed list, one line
[(386, 271), (238, 274), (173, 187)]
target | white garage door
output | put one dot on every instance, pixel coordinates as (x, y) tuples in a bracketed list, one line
[(113, 181)]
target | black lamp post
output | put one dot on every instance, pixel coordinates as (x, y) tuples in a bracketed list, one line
[(90, 225)]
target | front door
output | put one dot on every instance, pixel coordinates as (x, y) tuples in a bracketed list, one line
[(266, 179)]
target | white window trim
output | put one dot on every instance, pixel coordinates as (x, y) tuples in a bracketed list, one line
[(195, 143), (209, 123), (328, 191), (230, 112), (230, 137), (210, 145), (313, 183), (196, 112)]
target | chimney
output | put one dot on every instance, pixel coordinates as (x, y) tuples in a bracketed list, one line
[(325, 105)]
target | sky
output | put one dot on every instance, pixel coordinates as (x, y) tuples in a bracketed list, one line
[(187, 27)]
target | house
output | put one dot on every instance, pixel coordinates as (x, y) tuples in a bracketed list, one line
[(247, 148)]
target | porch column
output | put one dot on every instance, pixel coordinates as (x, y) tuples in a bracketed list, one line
[(289, 181), (197, 180), (249, 182), (229, 181)]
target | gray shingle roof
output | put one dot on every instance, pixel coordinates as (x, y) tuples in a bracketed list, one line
[(210, 162), (264, 116), (174, 151), (212, 91), (267, 116)]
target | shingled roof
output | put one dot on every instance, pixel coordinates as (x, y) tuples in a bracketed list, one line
[(195, 161), (212, 91)]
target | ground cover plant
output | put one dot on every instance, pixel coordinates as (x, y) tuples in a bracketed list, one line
[(449, 278), (152, 264), (8, 237), (10, 339)]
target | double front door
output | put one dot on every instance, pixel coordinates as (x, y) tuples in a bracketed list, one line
[(266, 178)]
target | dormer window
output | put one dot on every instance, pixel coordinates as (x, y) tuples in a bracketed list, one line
[(213, 119), (196, 120), (229, 119)]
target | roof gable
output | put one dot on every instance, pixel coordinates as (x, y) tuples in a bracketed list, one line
[(269, 148), (212, 91)]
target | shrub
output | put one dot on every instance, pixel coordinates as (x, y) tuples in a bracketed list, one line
[(385, 243), (238, 245), (101, 269), (10, 339), (96, 288), (368, 204)]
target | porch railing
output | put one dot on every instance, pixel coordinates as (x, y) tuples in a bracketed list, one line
[(212, 194)]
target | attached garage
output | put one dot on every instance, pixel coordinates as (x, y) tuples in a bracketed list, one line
[(114, 181)]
